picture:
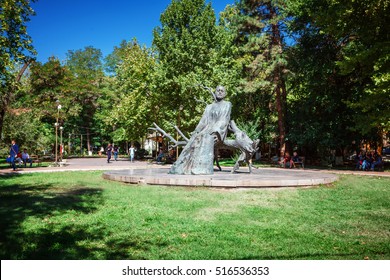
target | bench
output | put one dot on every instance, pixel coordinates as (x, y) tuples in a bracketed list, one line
[(35, 159), (301, 162)]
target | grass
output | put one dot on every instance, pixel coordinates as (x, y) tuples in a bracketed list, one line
[(78, 215), (5, 165)]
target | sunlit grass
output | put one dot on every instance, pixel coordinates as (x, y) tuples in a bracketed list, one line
[(78, 215)]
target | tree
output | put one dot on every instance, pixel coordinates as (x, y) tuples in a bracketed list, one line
[(319, 118), (87, 67), (354, 37), (15, 49), (260, 28), (48, 84), (127, 107), (51, 82), (184, 43)]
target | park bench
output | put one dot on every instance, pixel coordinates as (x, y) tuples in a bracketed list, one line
[(35, 159), (301, 162)]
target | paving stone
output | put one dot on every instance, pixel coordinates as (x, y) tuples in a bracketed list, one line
[(264, 177)]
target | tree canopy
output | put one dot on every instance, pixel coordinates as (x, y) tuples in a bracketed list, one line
[(15, 49), (306, 75)]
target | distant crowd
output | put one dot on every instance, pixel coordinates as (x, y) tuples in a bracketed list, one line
[(368, 161)]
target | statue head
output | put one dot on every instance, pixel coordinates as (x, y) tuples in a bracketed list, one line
[(220, 93)]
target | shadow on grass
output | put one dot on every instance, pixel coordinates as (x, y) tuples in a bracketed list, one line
[(47, 238)]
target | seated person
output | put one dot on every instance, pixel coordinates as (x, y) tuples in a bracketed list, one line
[(377, 160), (366, 162), (275, 159), (359, 161), (26, 158), (287, 158), (17, 159), (294, 159)]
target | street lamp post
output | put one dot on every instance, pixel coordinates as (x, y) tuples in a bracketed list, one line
[(55, 148), (61, 148), (70, 134), (56, 125)]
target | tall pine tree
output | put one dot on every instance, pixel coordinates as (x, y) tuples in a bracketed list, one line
[(260, 28)]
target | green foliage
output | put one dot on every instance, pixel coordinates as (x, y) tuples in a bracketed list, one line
[(114, 59), (15, 43), (192, 51), (314, 73), (87, 84), (86, 64), (30, 133), (354, 38), (260, 27), (128, 108), (320, 118), (15, 49), (251, 128), (50, 82)]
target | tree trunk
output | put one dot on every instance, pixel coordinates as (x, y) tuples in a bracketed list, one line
[(280, 86), (2, 115), (281, 120), (88, 141)]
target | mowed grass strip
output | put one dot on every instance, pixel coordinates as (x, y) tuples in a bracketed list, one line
[(79, 215)]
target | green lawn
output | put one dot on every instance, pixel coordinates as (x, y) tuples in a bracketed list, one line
[(78, 215), (5, 165)]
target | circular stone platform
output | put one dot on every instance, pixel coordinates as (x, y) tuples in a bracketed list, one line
[(264, 177)]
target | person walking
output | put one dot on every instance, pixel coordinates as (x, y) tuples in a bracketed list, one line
[(116, 152), (13, 153), (132, 152), (109, 152)]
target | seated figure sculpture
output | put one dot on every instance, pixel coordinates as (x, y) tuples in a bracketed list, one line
[(197, 156), (201, 150)]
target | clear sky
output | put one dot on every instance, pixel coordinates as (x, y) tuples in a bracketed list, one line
[(61, 25)]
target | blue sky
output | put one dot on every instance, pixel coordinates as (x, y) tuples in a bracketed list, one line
[(61, 25)]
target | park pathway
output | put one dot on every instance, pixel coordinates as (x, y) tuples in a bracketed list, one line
[(89, 164)]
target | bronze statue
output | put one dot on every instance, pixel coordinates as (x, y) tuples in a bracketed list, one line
[(199, 154)]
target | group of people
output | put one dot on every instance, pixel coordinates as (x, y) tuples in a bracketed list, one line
[(15, 156), (292, 161), (110, 150), (368, 161)]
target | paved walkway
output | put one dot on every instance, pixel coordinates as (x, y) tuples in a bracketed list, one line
[(84, 164), (79, 164)]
